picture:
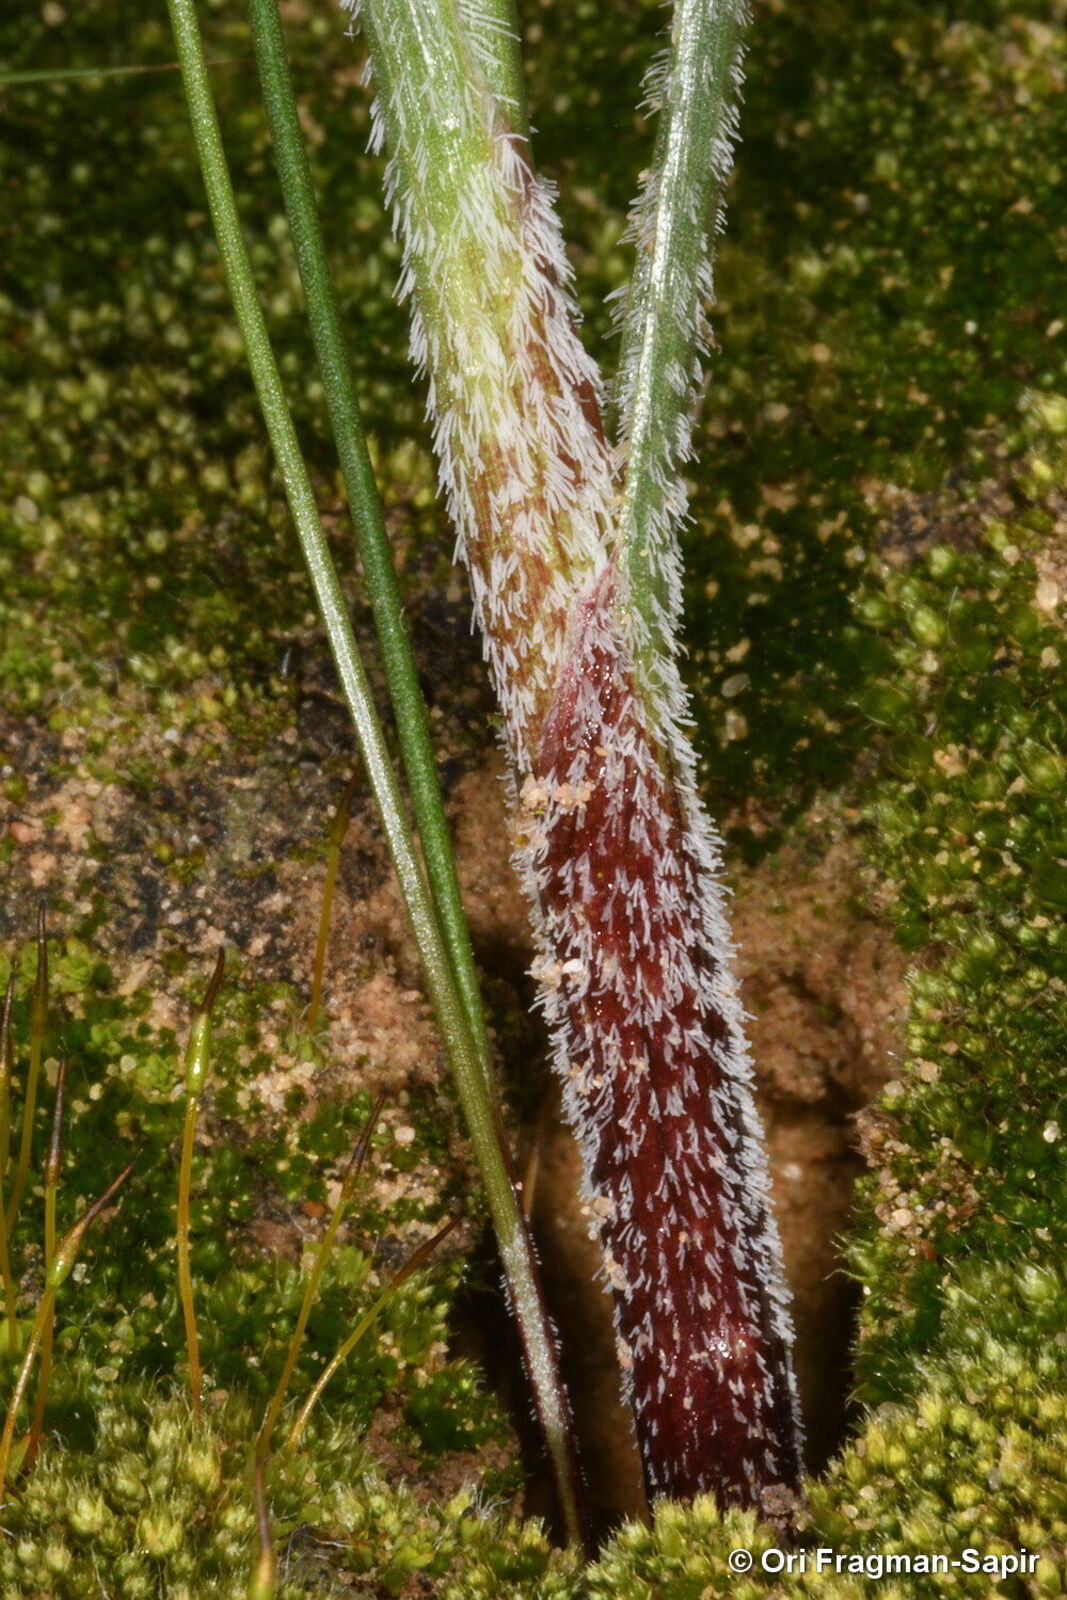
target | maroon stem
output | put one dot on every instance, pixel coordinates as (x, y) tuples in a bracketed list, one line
[(657, 1085)]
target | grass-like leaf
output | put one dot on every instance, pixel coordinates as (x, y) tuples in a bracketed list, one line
[(451, 1005)]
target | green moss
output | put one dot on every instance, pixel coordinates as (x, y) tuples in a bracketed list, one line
[(960, 1243), (968, 827), (155, 1503), (973, 1458), (122, 1100)]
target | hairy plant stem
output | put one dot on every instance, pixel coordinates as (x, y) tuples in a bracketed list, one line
[(619, 862), (449, 1006), (695, 86)]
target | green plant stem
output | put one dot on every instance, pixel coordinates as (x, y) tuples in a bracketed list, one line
[(197, 1063), (66, 1255), (346, 421), (676, 222), (22, 1383), (52, 1171), (333, 860), (311, 1288), (53, 1165), (499, 64), (15, 80), (38, 1024), (185, 1277), (449, 1007), (6, 1064), (367, 1320), (264, 1581)]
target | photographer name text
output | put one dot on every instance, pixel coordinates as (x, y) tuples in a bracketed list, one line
[(882, 1565)]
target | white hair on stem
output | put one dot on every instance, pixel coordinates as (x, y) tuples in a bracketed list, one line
[(578, 603), (695, 85)]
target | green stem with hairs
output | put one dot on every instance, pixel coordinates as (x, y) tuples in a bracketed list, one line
[(449, 1007), (491, 33), (675, 226)]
